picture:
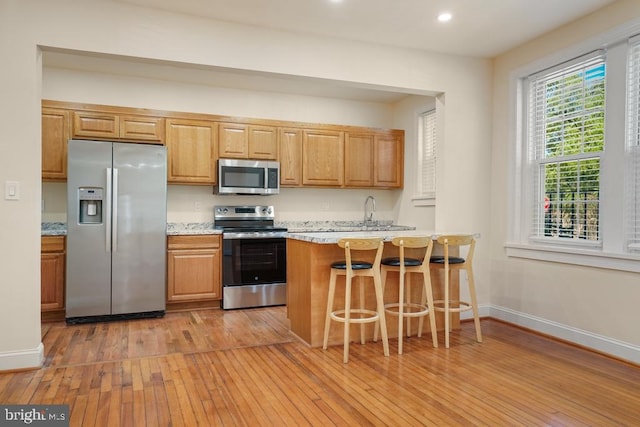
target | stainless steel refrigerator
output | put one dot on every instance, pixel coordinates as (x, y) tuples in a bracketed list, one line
[(116, 230)]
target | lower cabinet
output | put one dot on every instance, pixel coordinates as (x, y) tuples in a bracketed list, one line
[(193, 268), (52, 274)]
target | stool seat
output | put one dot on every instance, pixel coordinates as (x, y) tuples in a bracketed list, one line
[(452, 260), (355, 265), (395, 262)]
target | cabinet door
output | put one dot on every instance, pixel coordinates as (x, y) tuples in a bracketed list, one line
[(389, 161), (290, 157), (52, 267), (191, 148), (322, 158), (55, 134), (141, 128), (358, 152), (263, 142), (95, 125), (193, 275), (233, 140)]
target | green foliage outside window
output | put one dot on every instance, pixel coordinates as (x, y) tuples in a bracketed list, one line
[(573, 129)]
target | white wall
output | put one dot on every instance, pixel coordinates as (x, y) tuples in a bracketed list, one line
[(591, 306), (109, 27)]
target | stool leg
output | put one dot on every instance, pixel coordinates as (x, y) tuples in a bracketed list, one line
[(428, 291), (400, 309), (474, 303), (407, 298), (377, 283), (447, 273), (361, 299), (327, 319), (347, 317), (376, 329)]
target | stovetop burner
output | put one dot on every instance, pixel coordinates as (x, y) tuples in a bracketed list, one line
[(235, 219)]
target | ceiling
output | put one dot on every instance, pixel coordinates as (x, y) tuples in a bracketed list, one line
[(480, 28)]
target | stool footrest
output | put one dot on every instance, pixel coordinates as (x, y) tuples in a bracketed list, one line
[(423, 310), (454, 306), (372, 316)]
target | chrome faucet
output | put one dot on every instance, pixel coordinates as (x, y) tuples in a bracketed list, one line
[(368, 213)]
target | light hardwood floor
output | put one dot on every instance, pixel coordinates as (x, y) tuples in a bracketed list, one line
[(215, 367)]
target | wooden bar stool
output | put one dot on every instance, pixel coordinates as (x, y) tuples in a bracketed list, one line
[(453, 263), (404, 308), (360, 269)]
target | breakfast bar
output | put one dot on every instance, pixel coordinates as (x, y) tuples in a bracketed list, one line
[(309, 258)]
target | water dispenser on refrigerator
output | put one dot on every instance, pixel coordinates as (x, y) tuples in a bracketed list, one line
[(90, 205)]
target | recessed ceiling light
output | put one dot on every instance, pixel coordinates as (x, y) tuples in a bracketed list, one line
[(444, 17), (335, 1)]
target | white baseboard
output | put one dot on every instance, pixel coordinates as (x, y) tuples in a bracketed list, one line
[(24, 359), (613, 347)]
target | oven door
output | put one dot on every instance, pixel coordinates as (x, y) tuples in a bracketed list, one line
[(254, 261)]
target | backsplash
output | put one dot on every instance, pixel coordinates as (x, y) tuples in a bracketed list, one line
[(194, 204)]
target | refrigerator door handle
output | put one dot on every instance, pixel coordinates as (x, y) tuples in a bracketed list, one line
[(108, 212), (114, 220)]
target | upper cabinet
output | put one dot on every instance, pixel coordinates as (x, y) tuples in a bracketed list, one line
[(310, 155), (374, 159), (359, 160), (99, 125), (243, 141), (388, 160), (55, 134), (191, 148), (322, 158), (290, 156)]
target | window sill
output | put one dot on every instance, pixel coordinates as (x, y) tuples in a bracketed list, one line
[(424, 200), (585, 257)]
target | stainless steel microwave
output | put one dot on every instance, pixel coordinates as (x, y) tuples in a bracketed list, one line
[(248, 177)]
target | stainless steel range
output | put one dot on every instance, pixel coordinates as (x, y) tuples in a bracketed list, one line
[(254, 257)]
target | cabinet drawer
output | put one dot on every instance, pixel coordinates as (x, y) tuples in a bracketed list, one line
[(101, 125), (207, 241), (140, 128), (50, 244)]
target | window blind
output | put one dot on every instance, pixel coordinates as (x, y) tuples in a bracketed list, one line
[(632, 173), (566, 142), (428, 153)]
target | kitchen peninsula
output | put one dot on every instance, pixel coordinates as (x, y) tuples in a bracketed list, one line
[(309, 258)]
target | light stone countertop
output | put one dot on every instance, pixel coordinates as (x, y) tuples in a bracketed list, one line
[(332, 237), (173, 228)]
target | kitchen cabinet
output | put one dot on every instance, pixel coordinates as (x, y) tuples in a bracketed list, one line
[(388, 161), (193, 268), (374, 159), (110, 126), (52, 273), (290, 157), (359, 160), (55, 134), (244, 141), (191, 151), (322, 158)]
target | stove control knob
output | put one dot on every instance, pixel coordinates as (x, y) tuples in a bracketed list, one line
[(266, 210)]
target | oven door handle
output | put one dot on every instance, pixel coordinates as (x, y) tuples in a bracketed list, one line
[(253, 235)]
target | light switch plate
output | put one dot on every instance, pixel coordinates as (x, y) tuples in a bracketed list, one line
[(11, 190)]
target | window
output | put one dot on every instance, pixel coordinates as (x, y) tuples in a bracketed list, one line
[(632, 205), (566, 142), (575, 189), (427, 138)]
